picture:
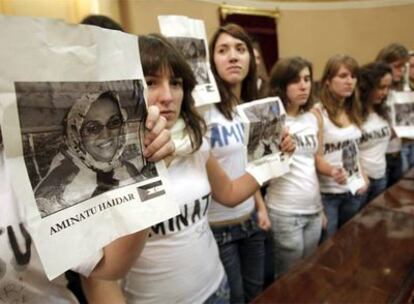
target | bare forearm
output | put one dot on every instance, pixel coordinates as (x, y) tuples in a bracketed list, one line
[(322, 166), (102, 291), (119, 256), (235, 192), (259, 201)]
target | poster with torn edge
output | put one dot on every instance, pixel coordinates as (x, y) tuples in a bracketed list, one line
[(263, 122), (402, 114), (351, 164), (73, 111), (189, 36)]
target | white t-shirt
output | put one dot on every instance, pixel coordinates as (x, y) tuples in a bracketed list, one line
[(373, 144), (226, 141), (297, 191), (335, 139), (180, 262), (22, 278), (395, 143)]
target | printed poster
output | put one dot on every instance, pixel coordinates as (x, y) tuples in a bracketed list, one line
[(189, 36), (402, 114), (73, 117), (264, 121), (350, 163)]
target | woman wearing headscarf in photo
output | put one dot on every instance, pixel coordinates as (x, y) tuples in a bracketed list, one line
[(91, 161), (340, 118), (374, 85), (22, 277), (293, 199)]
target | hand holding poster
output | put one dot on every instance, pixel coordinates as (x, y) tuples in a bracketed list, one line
[(189, 36), (73, 120), (263, 122), (402, 113)]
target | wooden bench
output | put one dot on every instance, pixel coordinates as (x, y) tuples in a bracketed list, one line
[(370, 259)]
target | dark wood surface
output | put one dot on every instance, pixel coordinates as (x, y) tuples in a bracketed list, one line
[(370, 259)]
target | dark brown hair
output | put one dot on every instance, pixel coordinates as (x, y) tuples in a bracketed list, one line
[(329, 100), (157, 53), (285, 72), (102, 21), (249, 84), (370, 78), (392, 52)]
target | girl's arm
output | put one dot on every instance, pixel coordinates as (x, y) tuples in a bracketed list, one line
[(102, 292), (227, 192), (262, 215), (119, 256), (322, 166)]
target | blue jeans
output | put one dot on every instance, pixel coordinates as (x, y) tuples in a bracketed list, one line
[(394, 168), (296, 236), (242, 252), (221, 295), (407, 156), (376, 187), (339, 208)]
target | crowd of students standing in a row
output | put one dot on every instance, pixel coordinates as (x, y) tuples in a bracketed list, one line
[(214, 251)]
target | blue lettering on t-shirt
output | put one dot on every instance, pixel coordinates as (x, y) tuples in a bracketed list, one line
[(222, 135)]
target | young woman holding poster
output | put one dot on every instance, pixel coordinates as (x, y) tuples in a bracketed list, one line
[(374, 85), (238, 231), (395, 55), (340, 119), (294, 200), (180, 262), (22, 277)]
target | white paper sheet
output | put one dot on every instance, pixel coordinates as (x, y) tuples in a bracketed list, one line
[(263, 122), (351, 164), (402, 114), (47, 67), (189, 36)]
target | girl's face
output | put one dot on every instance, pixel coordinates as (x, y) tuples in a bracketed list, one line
[(231, 58), (298, 91), (398, 68), (343, 83), (380, 93), (412, 67), (166, 92), (101, 128)]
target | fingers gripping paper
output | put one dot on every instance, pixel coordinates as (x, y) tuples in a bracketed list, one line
[(73, 116)]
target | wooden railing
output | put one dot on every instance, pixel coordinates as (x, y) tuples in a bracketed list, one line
[(369, 259)]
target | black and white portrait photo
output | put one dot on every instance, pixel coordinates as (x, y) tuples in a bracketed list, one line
[(404, 114), (195, 53), (81, 139), (350, 158), (265, 133)]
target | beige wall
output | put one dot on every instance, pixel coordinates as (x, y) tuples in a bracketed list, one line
[(361, 33), (315, 33), (69, 10)]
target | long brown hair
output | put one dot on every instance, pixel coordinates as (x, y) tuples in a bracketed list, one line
[(249, 84), (392, 53), (158, 54), (329, 100), (370, 78), (285, 72)]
